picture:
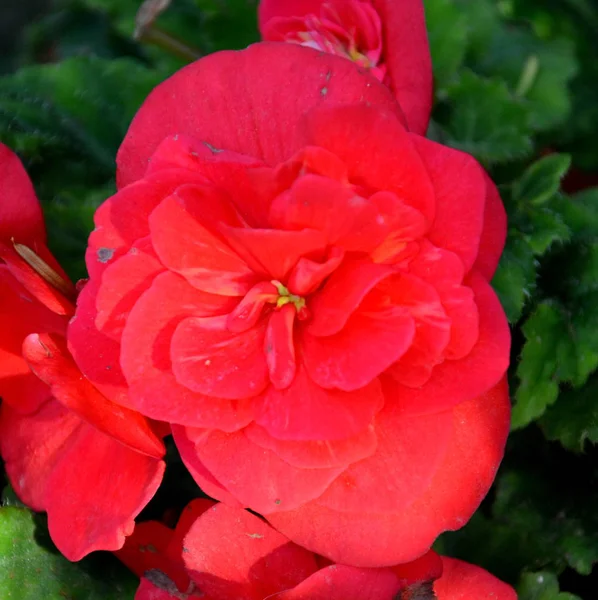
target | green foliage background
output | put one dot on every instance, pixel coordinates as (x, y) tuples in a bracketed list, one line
[(516, 87)]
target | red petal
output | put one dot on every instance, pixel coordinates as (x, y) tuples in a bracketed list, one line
[(247, 102), (339, 582), (461, 581), (145, 358), (341, 295), (425, 568), (368, 539), (59, 301), (378, 152), (444, 270), (494, 232), (407, 58), (249, 311), (20, 212), (20, 315), (123, 218), (455, 381), (460, 191), (409, 452), (279, 347), (187, 244), (242, 177), (30, 446), (108, 483), (317, 454), (257, 478), (231, 553), (307, 275), (145, 548), (184, 438), (306, 411), (49, 359), (338, 361), (97, 355), (121, 285), (271, 252), (268, 9), (333, 208), (209, 359)]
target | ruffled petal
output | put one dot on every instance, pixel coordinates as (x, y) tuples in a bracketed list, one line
[(189, 245), (306, 411), (367, 539), (316, 454), (121, 285), (209, 359), (460, 191), (231, 553), (342, 293), (96, 354), (367, 345), (272, 252), (409, 452), (145, 358), (257, 478), (378, 152), (455, 381), (122, 219), (247, 102)]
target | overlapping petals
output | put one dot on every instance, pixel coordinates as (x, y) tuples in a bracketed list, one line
[(68, 450), (218, 553), (386, 37), (304, 296)]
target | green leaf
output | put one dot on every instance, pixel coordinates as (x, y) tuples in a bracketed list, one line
[(580, 213), (541, 181), (561, 347), (29, 570), (544, 228), (541, 585), (515, 277), (537, 368), (72, 116), (486, 120), (447, 44), (573, 420), (546, 87)]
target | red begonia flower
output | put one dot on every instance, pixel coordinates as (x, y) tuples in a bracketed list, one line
[(299, 286), (219, 553), (90, 463), (387, 37)]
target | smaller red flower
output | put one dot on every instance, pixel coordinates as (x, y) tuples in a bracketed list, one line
[(91, 464), (386, 37), (218, 553)]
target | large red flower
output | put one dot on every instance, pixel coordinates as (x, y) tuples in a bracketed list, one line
[(219, 553), (300, 286), (68, 450), (387, 37)]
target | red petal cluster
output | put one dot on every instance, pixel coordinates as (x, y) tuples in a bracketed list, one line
[(299, 285), (68, 449), (219, 553), (387, 37)]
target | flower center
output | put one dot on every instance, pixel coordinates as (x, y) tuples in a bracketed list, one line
[(286, 297)]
